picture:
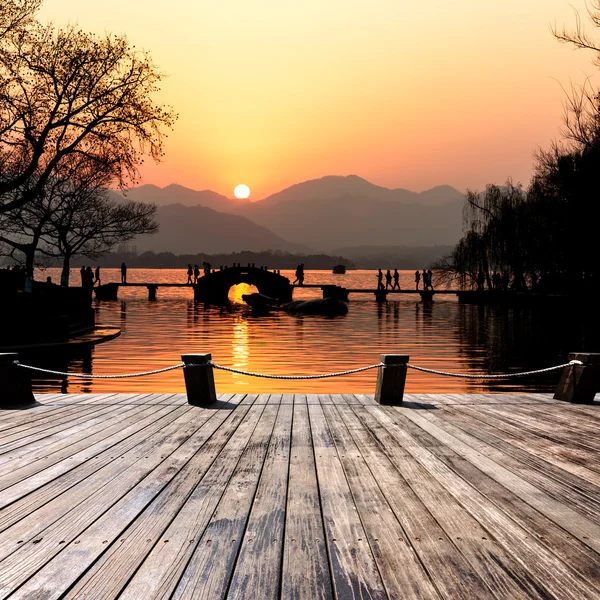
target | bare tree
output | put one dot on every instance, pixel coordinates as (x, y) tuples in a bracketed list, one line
[(16, 15), (578, 35), (65, 92)]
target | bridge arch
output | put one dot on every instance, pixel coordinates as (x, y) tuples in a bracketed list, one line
[(214, 287)]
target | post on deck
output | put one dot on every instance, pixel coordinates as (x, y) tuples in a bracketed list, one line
[(15, 382), (199, 379), (579, 383), (152, 292), (391, 379)]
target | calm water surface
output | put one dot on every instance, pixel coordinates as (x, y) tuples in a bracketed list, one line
[(443, 335)]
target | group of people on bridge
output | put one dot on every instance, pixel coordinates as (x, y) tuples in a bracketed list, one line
[(395, 277), (193, 273), (495, 282)]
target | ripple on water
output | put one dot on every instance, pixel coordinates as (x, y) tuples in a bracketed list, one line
[(444, 335)]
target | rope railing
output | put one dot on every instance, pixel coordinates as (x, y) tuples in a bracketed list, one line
[(576, 384), (91, 376), (318, 376)]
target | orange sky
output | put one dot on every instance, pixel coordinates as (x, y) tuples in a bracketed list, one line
[(404, 94)]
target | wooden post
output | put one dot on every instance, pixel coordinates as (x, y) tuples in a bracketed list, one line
[(15, 382), (152, 292), (199, 379), (579, 383), (380, 295), (391, 379)]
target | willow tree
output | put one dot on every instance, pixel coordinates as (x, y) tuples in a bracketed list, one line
[(65, 92)]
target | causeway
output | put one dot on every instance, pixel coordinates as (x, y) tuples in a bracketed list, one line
[(143, 496)]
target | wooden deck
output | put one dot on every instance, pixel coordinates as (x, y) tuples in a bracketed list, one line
[(300, 497)]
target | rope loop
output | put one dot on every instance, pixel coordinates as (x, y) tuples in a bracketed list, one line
[(499, 376), (321, 376), (90, 376)]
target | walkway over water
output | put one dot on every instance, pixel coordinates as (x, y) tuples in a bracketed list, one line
[(300, 496)]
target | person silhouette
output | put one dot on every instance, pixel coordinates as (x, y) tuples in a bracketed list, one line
[(480, 281), (301, 277), (196, 273), (429, 280), (190, 273), (396, 280), (388, 279), (82, 273), (418, 279), (379, 279), (98, 274), (123, 273)]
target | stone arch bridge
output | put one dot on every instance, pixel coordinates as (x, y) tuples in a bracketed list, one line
[(214, 287)]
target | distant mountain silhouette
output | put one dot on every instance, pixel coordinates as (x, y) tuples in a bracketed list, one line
[(321, 214), (334, 186), (195, 229), (331, 212), (177, 194)]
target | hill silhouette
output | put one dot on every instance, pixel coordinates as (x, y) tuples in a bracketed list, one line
[(321, 214), (194, 229), (178, 194)]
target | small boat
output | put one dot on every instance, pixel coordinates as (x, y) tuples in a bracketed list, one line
[(339, 269)]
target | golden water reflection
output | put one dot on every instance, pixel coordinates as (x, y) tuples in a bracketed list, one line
[(443, 335)]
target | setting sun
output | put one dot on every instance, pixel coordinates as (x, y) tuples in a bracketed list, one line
[(241, 191)]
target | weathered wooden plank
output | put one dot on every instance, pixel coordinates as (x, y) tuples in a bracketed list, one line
[(505, 577), (43, 421), (258, 566), (300, 399), (162, 459), (588, 483), (25, 519), (162, 568), (559, 455), (16, 466), (274, 399), (16, 418), (568, 548), (583, 446), (208, 573), (536, 473), (312, 399), (133, 398), (401, 570), (543, 565), (305, 571), (545, 422), (353, 567), (329, 399), (149, 508), (441, 554), (351, 399), (287, 399), (52, 431)]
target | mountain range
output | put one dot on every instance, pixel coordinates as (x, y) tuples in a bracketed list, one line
[(317, 215)]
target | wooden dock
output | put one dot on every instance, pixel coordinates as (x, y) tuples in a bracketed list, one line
[(300, 497)]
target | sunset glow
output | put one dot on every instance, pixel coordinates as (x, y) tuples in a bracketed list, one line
[(241, 191), (403, 94)]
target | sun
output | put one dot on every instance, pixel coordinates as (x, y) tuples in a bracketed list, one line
[(241, 191)]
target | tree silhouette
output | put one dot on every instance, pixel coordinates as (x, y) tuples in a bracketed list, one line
[(65, 92)]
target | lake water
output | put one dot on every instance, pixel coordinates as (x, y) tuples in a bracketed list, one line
[(443, 335)]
